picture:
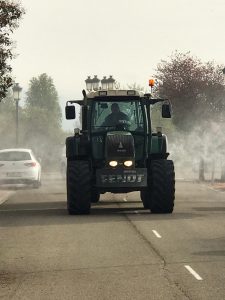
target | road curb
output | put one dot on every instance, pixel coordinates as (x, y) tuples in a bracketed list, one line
[(4, 195)]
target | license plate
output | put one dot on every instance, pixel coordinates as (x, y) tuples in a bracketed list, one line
[(14, 174), (122, 178)]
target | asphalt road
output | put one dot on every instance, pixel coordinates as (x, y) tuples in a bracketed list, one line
[(120, 251)]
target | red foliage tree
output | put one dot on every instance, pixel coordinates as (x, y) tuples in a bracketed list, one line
[(196, 89)]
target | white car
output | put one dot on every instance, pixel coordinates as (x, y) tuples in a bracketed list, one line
[(19, 166)]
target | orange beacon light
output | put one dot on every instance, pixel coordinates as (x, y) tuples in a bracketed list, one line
[(151, 82)]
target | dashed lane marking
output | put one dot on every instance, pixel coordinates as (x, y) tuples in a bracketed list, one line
[(156, 234), (195, 274)]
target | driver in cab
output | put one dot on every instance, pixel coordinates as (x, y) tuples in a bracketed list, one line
[(116, 118)]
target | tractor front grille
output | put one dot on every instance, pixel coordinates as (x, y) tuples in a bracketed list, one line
[(119, 144)]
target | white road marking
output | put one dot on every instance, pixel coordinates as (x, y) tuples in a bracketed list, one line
[(195, 274), (156, 234)]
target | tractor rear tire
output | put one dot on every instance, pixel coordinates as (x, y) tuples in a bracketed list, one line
[(161, 187), (79, 187)]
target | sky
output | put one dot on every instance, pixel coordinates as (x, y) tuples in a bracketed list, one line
[(72, 39)]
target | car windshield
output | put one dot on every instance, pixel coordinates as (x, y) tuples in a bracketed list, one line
[(121, 115), (14, 156)]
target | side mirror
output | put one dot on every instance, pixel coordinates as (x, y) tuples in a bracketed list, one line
[(166, 111), (70, 112)]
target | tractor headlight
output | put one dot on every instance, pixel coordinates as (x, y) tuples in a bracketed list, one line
[(113, 163), (128, 163)]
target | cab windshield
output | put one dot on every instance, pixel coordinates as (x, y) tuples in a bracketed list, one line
[(117, 115)]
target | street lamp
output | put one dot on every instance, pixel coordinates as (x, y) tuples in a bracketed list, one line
[(111, 82), (95, 83), (104, 83), (89, 83), (16, 95)]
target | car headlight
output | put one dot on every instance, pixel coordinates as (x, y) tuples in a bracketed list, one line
[(128, 163), (113, 163)]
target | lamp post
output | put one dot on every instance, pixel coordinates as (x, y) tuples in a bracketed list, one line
[(16, 95)]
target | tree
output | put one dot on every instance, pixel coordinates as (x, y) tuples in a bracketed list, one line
[(195, 89), (42, 94), (7, 122), (10, 14), (43, 130)]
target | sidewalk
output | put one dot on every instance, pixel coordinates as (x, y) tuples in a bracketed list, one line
[(219, 186)]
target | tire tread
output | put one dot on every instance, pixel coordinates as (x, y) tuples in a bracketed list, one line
[(78, 187)]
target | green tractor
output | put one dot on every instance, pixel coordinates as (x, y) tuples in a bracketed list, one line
[(116, 151)]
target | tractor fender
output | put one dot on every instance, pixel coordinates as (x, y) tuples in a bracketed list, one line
[(159, 146), (77, 147)]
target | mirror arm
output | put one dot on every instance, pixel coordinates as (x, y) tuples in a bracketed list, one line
[(153, 101), (148, 100), (80, 102)]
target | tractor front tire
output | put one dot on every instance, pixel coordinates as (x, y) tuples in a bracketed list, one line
[(145, 199), (161, 187), (79, 187), (95, 196)]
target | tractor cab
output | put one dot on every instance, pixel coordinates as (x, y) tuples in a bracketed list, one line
[(117, 116)]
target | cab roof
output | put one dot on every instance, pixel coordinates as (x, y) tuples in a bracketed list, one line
[(114, 93)]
